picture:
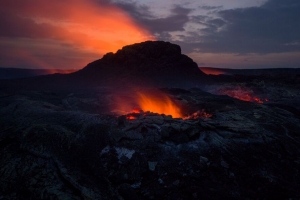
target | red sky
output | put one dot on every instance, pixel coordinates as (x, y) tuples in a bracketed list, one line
[(63, 34)]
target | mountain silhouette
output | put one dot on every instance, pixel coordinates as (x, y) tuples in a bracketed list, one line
[(150, 62)]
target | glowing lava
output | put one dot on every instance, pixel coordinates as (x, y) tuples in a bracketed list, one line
[(158, 103), (149, 103), (243, 94), (198, 114), (130, 117)]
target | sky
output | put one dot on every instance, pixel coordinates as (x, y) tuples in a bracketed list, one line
[(214, 33)]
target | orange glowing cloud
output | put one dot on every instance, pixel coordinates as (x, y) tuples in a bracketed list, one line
[(86, 26)]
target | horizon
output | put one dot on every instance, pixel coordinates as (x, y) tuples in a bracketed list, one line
[(13, 73), (75, 69), (219, 34)]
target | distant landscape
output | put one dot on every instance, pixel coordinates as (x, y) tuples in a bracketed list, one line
[(12, 73), (15, 73), (250, 72)]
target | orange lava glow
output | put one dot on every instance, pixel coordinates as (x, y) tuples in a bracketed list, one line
[(130, 117), (158, 103), (198, 114), (141, 102), (146, 103), (212, 71), (243, 94), (136, 110)]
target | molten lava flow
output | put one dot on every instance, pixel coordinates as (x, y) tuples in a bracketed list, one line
[(147, 103), (130, 117), (198, 114), (136, 110), (142, 102), (158, 103), (243, 94), (134, 114)]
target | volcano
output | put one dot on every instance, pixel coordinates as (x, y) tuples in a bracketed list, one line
[(146, 123), (155, 63)]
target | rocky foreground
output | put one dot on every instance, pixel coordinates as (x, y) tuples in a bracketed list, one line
[(60, 137), (60, 146)]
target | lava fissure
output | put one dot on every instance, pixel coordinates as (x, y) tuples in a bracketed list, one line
[(134, 115), (242, 93), (154, 103)]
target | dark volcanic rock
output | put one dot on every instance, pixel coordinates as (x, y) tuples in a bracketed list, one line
[(52, 151), (151, 62)]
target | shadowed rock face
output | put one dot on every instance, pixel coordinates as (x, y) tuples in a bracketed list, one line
[(151, 62)]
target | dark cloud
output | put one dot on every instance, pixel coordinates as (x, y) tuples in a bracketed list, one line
[(210, 7), (275, 4), (165, 36), (175, 22), (137, 11), (178, 10), (199, 18), (217, 22), (271, 28)]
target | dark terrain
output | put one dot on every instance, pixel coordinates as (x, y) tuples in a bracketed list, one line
[(254, 72), (59, 138), (13, 73)]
